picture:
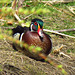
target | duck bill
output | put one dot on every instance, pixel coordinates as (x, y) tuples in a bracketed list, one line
[(40, 32)]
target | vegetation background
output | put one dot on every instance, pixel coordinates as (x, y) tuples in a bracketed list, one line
[(56, 16)]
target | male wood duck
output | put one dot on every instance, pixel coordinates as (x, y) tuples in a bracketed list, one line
[(33, 35)]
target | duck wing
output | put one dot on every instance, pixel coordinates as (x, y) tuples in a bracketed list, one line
[(20, 30), (17, 32)]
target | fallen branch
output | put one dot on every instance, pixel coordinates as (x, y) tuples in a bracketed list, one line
[(54, 1), (16, 16), (58, 33), (66, 30)]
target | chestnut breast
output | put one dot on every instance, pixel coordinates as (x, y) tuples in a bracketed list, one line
[(32, 38)]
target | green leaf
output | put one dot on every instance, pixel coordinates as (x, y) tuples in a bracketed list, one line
[(38, 48), (21, 10), (3, 9), (9, 10), (33, 10), (26, 11), (31, 47), (39, 11), (59, 66), (5, 1), (27, 24), (1, 36), (22, 21), (63, 71)]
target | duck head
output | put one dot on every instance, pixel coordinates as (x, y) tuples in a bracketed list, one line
[(37, 25)]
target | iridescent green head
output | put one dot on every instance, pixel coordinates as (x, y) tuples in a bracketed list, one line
[(37, 25)]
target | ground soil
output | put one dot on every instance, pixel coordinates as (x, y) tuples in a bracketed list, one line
[(15, 63)]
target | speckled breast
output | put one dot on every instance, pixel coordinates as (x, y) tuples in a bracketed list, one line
[(32, 38)]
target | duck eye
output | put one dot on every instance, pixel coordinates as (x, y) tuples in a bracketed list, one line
[(35, 23)]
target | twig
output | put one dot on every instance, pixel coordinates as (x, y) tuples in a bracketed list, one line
[(19, 20), (58, 33), (2, 20), (6, 27), (63, 54), (22, 59), (15, 15), (54, 1), (66, 30), (14, 4), (56, 51), (6, 42), (71, 9), (28, 16), (20, 3)]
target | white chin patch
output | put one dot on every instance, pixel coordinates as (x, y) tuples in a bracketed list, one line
[(16, 36), (40, 33)]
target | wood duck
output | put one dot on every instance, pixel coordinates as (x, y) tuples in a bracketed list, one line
[(33, 35)]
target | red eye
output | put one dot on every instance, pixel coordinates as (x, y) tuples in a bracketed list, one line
[(35, 23)]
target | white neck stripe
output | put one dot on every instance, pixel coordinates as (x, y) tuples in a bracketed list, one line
[(21, 36), (31, 27)]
